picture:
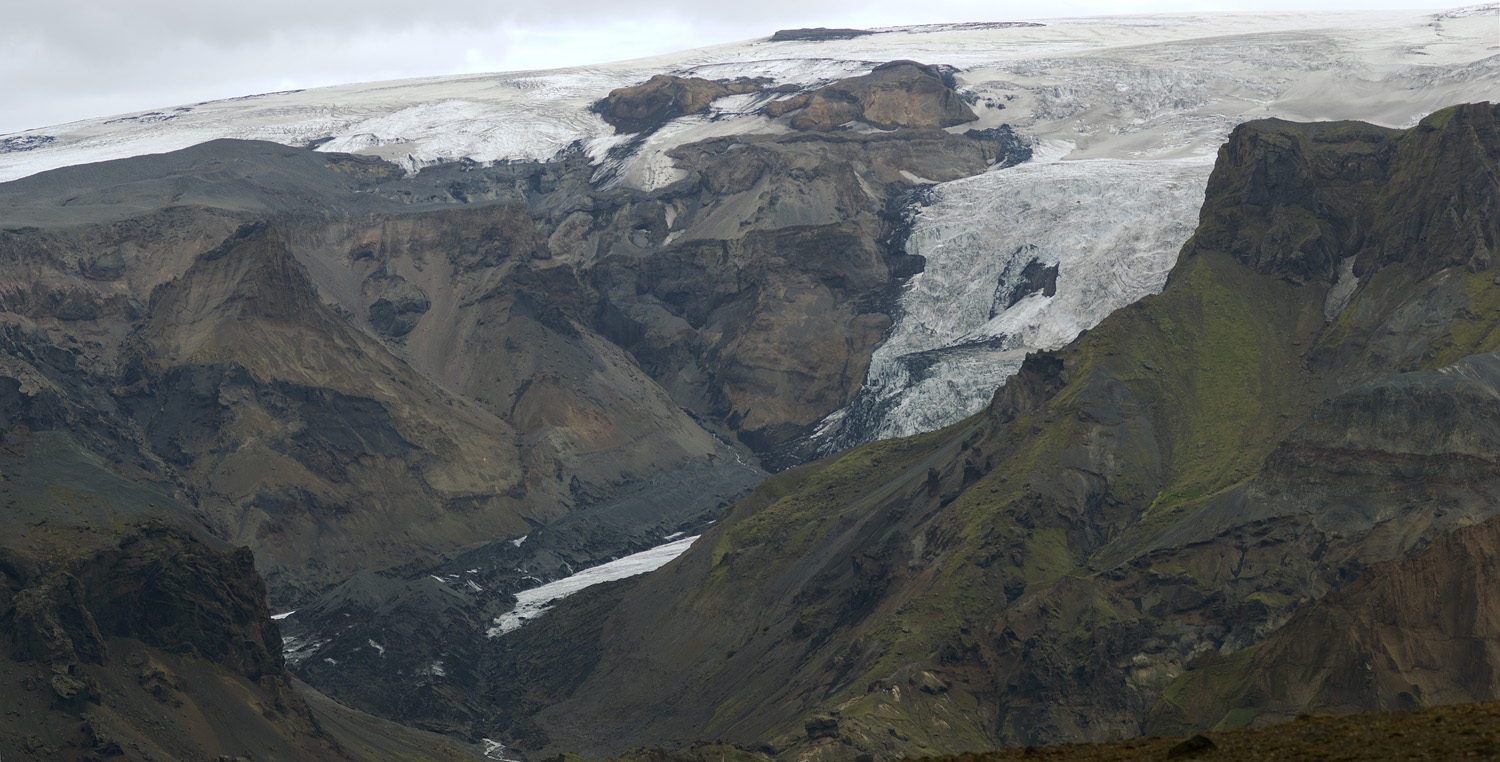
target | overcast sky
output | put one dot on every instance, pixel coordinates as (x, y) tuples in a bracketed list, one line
[(62, 60)]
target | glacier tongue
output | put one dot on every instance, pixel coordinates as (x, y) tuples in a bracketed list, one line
[(1112, 228), (532, 603)]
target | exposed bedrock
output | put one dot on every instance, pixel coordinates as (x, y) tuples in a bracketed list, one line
[(127, 632), (895, 95), (664, 97)]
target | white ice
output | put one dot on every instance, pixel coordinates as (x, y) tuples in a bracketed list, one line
[(1111, 227), (1114, 85), (532, 603)]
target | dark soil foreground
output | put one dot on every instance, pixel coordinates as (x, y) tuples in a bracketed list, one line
[(1465, 731)]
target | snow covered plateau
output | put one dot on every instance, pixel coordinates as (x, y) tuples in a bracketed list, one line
[(1125, 113)]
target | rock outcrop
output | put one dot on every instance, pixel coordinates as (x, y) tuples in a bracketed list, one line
[(818, 34), (664, 97), (895, 95), (126, 632), (1413, 632)]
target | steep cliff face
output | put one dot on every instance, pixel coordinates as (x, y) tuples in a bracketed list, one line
[(1176, 482), (127, 632)]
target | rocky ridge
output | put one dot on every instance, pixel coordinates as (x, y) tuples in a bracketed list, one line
[(653, 103), (892, 96), (129, 633)]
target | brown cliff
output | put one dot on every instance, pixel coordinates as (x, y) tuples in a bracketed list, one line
[(895, 95)]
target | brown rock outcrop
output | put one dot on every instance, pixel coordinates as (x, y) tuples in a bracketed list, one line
[(644, 107), (895, 95), (1419, 631)]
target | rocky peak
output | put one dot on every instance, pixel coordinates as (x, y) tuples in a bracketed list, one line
[(1290, 200), (1296, 200), (894, 95), (644, 107), (1461, 143)]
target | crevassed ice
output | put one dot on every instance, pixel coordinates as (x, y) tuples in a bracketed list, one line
[(532, 603), (1113, 229)]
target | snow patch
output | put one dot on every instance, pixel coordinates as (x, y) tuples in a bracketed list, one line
[(532, 603), (495, 750), (1343, 289)]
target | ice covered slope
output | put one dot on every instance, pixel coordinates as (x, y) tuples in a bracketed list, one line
[(1108, 228), (1120, 87), (1129, 109)]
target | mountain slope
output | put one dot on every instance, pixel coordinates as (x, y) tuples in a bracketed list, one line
[(132, 634), (413, 393), (1385, 641), (208, 351), (1176, 481), (490, 376)]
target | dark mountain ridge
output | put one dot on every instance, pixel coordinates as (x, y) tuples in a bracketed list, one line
[(127, 632)]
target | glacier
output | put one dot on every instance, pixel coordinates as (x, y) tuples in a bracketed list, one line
[(1113, 85), (1111, 228)]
